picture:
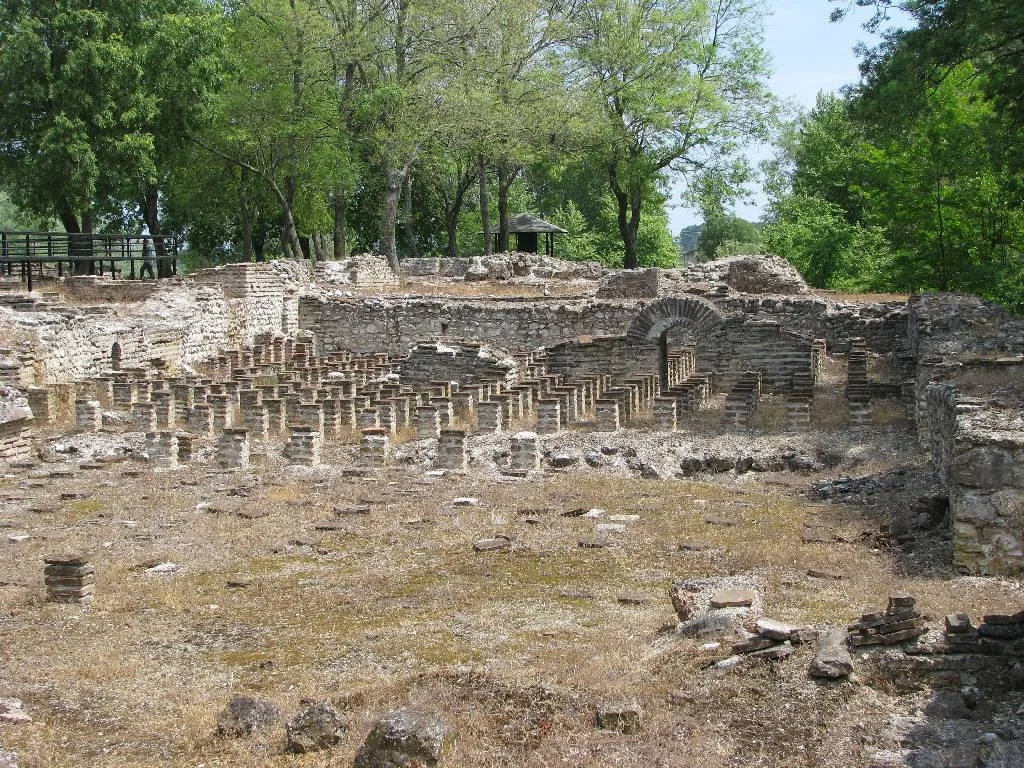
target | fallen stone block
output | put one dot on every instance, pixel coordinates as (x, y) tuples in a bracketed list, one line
[(832, 660), (404, 738)]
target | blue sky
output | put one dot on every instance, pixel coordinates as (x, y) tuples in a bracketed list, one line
[(810, 55)]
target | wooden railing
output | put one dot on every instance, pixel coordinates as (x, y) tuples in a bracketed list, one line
[(54, 254)]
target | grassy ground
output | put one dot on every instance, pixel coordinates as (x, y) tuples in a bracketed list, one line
[(398, 609)]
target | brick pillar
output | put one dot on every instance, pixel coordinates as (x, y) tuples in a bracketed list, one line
[(451, 450), (162, 447), (69, 578), (549, 416), (88, 416), (233, 448)]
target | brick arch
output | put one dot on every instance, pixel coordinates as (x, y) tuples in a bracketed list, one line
[(701, 315)]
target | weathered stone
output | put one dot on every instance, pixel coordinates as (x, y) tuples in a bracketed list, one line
[(245, 715), (682, 601), (316, 728), (832, 659), (716, 624), (623, 715), (733, 598), (776, 630), (406, 738), (489, 545)]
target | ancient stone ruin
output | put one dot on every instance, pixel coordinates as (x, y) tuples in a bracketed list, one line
[(349, 376)]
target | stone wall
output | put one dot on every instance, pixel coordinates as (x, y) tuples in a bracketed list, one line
[(725, 353), (364, 269), (397, 325), (103, 290), (502, 266), (617, 356), (986, 497), (188, 320)]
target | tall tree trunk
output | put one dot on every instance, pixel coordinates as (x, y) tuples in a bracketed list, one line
[(243, 201), (628, 215), (77, 246), (451, 220), (453, 210), (485, 203), (410, 223), (289, 234), (393, 178), (151, 215), (340, 225), (506, 176)]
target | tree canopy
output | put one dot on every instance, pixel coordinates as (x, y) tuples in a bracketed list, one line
[(314, 127)]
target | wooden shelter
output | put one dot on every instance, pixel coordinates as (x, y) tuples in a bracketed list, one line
[(527, 230)]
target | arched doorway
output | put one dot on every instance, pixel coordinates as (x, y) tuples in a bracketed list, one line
[(700, 317)]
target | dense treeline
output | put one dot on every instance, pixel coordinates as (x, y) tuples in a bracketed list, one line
[(914, 179), (316, 128)]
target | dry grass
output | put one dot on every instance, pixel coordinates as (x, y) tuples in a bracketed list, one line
[(400, 610)]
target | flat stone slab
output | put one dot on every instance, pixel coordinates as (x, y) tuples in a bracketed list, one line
[(733, 598), (496, 543), (817, 536), (576, 594), (624, 518), (776, 630)]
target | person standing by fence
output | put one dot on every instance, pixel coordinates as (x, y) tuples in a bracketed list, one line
[(148, 258)]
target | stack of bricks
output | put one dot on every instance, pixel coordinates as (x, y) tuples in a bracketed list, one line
[(549, 416), (428, 423), (665, 414), (692, 393), (451, 450), (69, 578), (858, 394), (607, 412), (88, 416), (163, 408), (144, 415), (798, 402), (997, 634), (186, 442), (40, 402), (525, 451), (233, 448), (741, 401), (374, 447), (200, 420), (162, 448), (303, 446), (898, 623), (489, 416)]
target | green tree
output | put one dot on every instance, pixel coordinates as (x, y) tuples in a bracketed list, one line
[(679, 85), (94, 97)]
